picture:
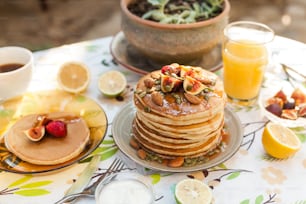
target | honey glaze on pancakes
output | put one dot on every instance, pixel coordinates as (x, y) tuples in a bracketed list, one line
[(49, 150)]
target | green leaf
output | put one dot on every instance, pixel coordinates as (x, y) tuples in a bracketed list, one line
[(36, 184), (247, 201), (302, 137), (222, 166), (91, 48), (155, 178), (6, 113), (108, 154), (32, 192), (108, 142), (102, 149), (233, 175), (259, 199), (80, 98), (20, 181)]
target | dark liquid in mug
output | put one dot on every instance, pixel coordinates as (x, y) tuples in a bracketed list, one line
[(10, 67)]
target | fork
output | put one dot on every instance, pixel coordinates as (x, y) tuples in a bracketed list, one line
[(116, 165)]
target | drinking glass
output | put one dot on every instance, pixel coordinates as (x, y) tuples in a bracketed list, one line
[(245, 58)]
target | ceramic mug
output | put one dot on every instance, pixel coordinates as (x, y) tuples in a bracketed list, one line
[(16, 64)]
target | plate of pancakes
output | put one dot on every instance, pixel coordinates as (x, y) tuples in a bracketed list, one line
[(85, 125), (178, 121)]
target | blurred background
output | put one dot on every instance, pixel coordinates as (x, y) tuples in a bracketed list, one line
[(41, 24)]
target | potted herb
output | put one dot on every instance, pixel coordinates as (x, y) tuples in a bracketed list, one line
[(170, 31)]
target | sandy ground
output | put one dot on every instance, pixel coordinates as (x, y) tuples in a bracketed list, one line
[(25, 23)]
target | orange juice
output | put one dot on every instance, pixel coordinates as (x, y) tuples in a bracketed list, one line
[(244, 64)]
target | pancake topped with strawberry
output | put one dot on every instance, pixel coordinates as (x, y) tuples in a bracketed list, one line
[(48, 139)]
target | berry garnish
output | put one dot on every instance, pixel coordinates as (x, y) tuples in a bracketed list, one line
[(56, 128)]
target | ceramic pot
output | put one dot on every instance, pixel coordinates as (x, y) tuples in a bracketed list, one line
[(168, 43)]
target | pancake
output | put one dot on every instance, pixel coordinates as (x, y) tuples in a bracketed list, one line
[(179, 112), (49, 150)]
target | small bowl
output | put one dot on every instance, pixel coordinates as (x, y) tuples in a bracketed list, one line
[(300, 122), (128, 187)]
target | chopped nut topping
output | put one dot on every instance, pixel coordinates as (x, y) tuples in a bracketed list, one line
[(149, 83), (157, 98), (192, 98)]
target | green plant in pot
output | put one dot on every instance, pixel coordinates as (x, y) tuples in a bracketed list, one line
[(168, 31)]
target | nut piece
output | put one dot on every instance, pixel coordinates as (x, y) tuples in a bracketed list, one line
[(177, 162), (36, 133), (149, 82), (157, 98), (192, 98)]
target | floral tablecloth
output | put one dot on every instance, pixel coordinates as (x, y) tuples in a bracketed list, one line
[(250, 176)]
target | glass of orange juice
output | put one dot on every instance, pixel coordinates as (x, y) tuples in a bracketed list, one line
[(245, 58)]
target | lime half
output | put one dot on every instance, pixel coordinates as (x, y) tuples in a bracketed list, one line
[(112, 83), (192, 191)]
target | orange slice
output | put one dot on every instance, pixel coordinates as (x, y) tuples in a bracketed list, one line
[(73, 77), (279, 141)]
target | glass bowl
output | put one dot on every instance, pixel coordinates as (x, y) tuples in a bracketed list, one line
[(122, 188)]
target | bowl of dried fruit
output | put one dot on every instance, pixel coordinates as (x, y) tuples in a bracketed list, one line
[(286, 108)]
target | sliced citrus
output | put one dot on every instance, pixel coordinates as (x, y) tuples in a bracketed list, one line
[(279, 141), (112, 83), (73, 77), (192, 191)]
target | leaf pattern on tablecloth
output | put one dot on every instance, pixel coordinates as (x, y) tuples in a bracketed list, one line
[(23, 187), (107, 149), (229, 174), (249, 137), (300, 132), (260, 199)]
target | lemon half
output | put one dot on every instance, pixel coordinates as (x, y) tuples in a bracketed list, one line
[(112, 83), (73, 77), (192, 191), (279, 141)]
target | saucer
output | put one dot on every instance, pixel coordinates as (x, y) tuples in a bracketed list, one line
[(130, 58)]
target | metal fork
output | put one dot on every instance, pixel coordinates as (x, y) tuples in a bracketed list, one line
[(116, 165)]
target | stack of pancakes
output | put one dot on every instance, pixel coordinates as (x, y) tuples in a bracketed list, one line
[(179, 118)]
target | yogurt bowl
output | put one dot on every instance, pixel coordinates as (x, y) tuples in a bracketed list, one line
[(125, 188)]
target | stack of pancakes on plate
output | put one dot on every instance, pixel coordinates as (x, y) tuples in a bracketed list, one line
[(180, 112)]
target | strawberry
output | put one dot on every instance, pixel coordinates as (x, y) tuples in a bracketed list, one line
[(56, 128)]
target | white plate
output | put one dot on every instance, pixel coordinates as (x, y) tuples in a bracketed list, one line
[(122, 126), (300, 122)]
